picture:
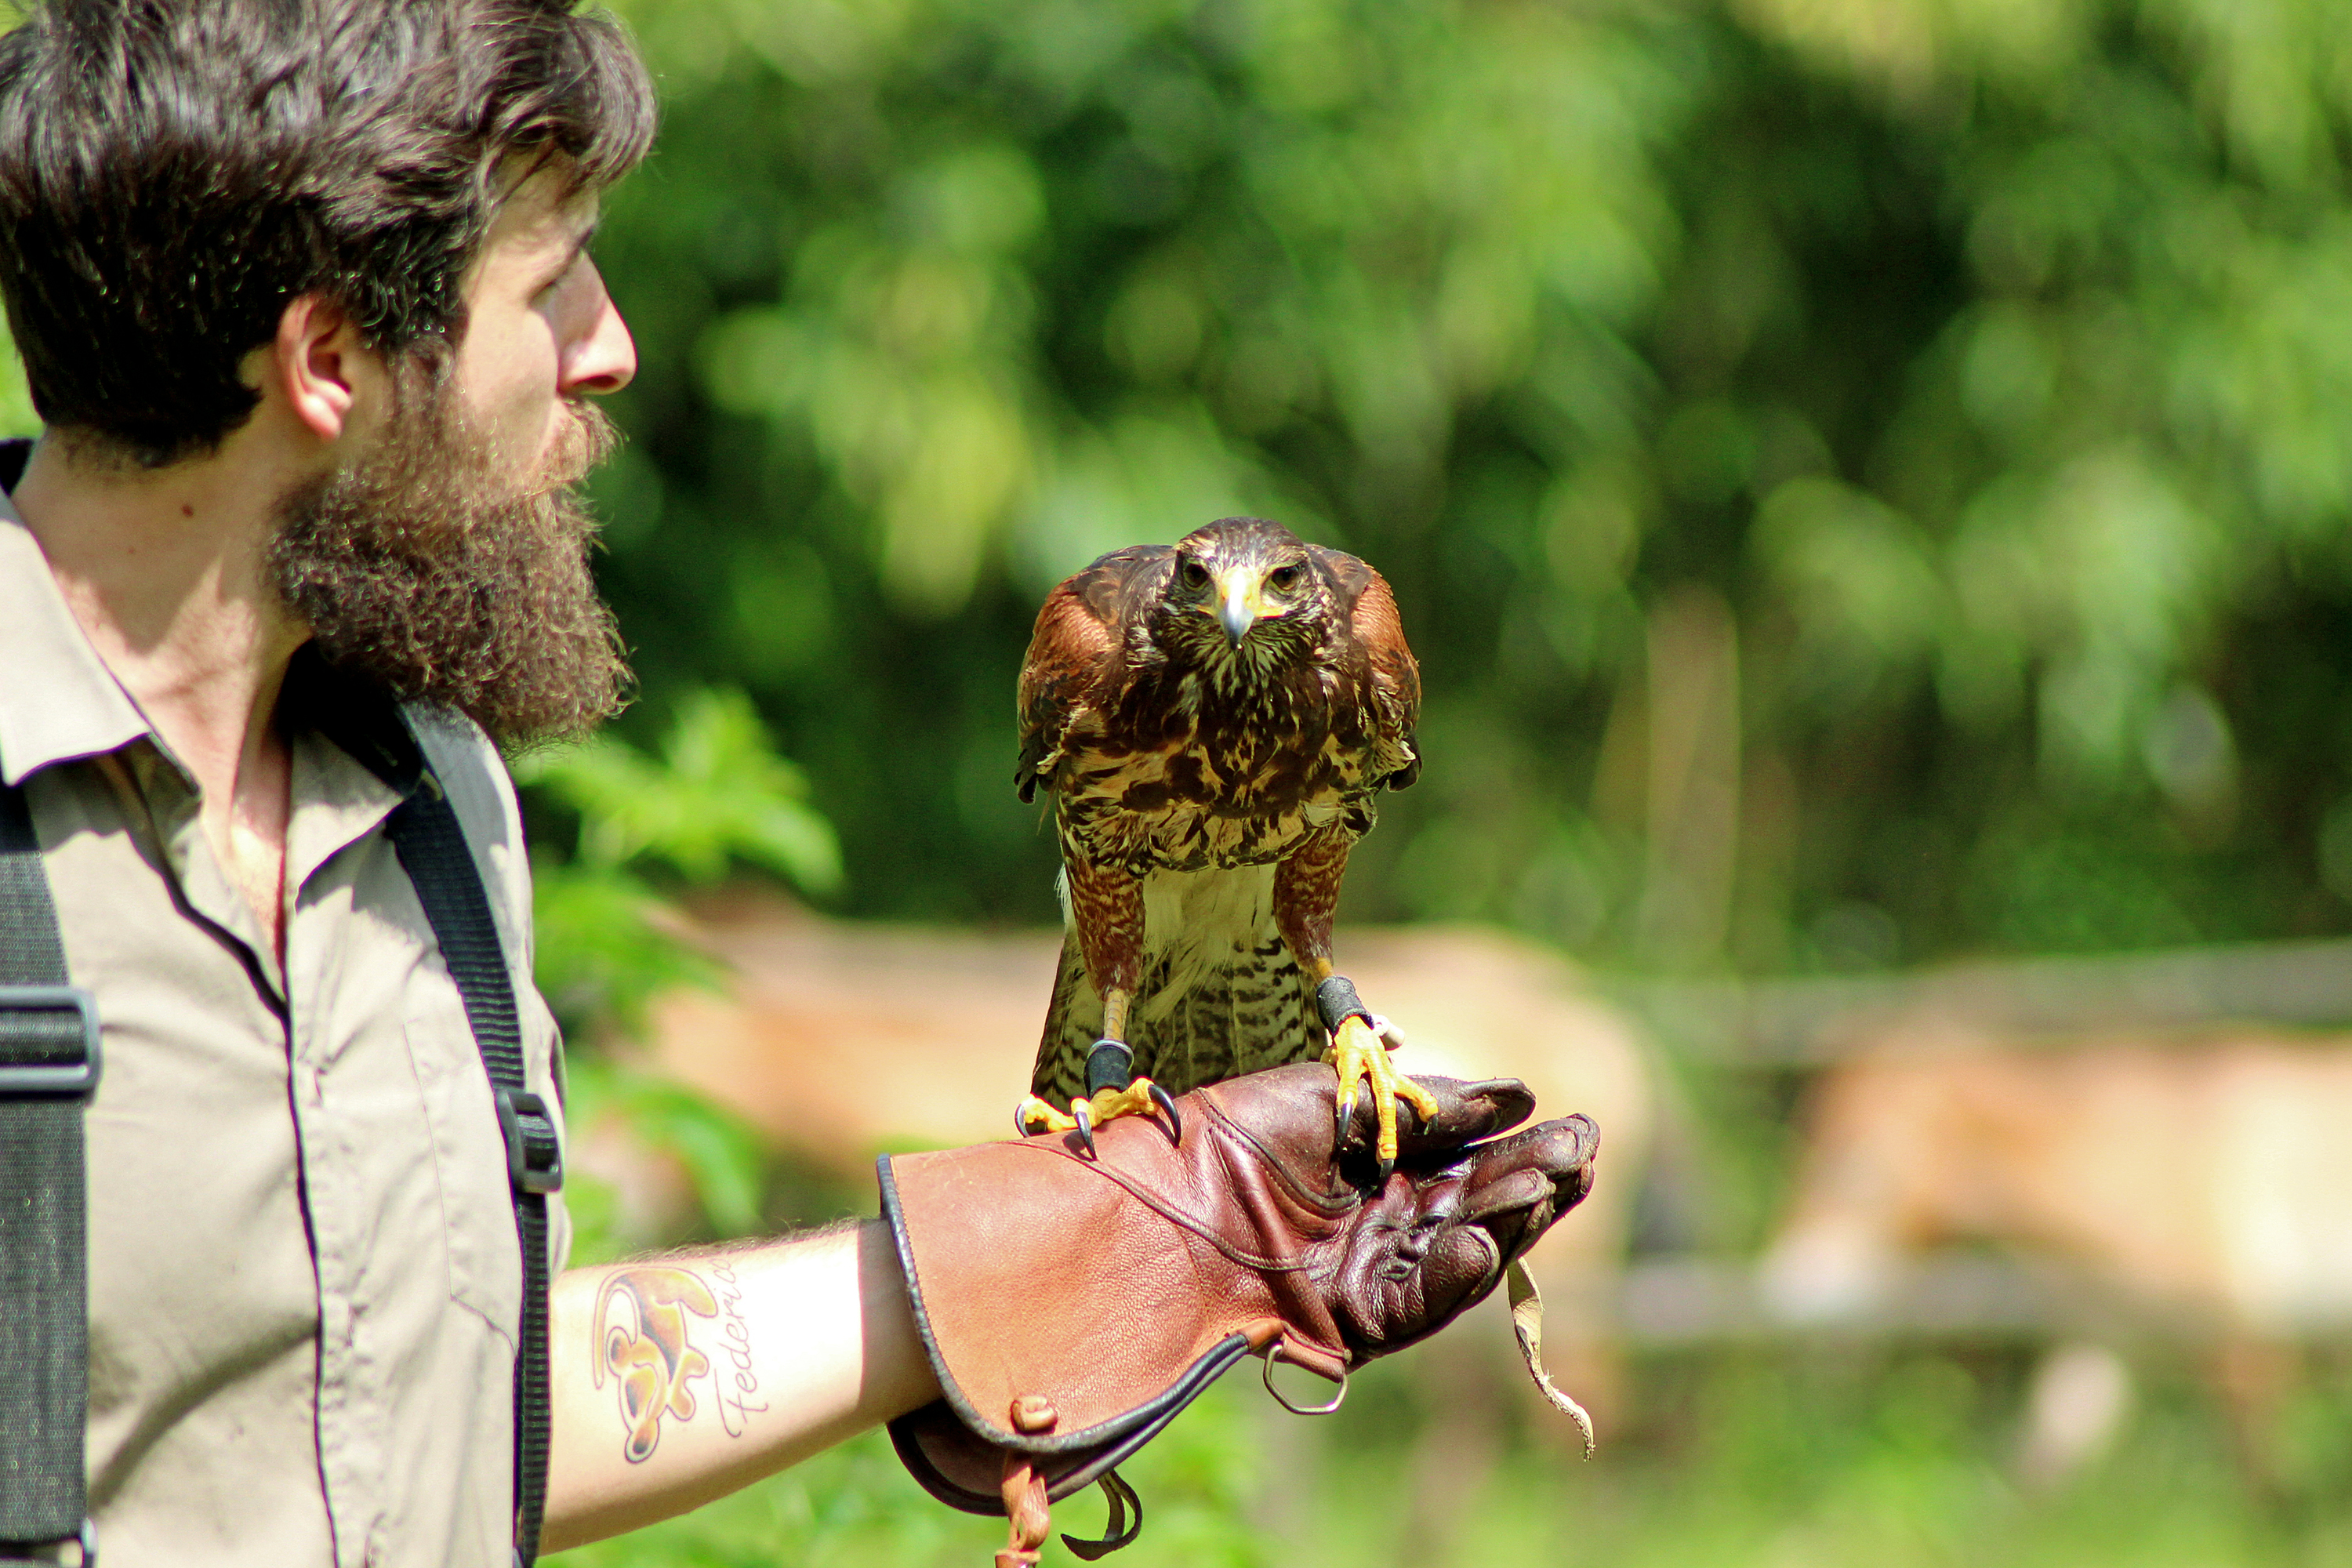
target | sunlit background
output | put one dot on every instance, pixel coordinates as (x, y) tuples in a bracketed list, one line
[(1930, 421), (1869, 483)]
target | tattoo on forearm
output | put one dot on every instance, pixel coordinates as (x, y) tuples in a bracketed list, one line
[(645, 1328)]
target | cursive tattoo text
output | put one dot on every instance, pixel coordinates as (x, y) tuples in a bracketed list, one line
[(735, 1343)]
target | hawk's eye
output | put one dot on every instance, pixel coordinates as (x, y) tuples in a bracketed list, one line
[(1195, 574), (1284, 578)]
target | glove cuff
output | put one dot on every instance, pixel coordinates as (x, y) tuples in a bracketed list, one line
[(957, 1448)]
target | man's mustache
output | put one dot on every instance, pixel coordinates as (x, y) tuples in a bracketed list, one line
[(583, 438)]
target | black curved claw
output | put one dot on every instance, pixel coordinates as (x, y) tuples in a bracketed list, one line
[(1020, 1121), (1167, 1102), (1387, 1166), (1085, 1128), (1343, 1111)]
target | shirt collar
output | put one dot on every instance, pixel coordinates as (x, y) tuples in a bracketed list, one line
[(57, 700), (356, 716)]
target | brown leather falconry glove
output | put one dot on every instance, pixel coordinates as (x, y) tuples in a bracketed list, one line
[(1072, 1306)]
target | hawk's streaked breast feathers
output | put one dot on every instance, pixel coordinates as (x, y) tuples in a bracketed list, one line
[(1205, 714)]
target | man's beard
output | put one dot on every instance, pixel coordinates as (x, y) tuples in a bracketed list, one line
[(426, 569)]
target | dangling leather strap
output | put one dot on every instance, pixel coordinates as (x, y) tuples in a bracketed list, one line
[(1023, 1490), (1527, 1323)]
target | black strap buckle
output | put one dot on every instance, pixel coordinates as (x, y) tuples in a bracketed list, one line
[(48, 1554), (51, 1016), (534, 1157)]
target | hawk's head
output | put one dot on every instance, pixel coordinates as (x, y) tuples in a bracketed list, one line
[(1242, 586)]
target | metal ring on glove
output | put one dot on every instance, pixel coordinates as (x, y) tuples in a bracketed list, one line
[(1265, 1369)]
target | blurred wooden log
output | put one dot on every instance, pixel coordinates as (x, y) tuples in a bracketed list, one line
[(838, 1041), (1695, 1301), (2037, 1001)]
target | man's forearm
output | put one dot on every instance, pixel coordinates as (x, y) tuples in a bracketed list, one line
[(678, 1379)]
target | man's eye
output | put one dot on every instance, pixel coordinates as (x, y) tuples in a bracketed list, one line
[(548, 285)]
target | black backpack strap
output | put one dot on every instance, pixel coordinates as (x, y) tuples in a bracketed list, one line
[(49, 1070), (431, 845)]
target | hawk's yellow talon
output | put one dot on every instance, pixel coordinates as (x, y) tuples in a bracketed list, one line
[(1359, 1052), (1035, 1116), (1135, 1100)]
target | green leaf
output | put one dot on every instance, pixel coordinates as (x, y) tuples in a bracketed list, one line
[(716, 793)]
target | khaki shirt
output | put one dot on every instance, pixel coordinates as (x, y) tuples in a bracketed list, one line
[(304, 1276)]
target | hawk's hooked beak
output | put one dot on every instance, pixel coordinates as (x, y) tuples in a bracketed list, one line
[(1238, 606)]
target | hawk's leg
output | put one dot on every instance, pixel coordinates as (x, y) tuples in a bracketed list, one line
[(1112, 1088), (1305, 893), (1107, 913)]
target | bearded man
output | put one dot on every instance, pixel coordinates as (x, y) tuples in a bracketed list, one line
[(305, 300)]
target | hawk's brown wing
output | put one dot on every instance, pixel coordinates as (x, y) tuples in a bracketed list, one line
[(1376, 636), (1072, 661)]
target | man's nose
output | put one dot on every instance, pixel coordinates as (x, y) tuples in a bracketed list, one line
[(602, 357)]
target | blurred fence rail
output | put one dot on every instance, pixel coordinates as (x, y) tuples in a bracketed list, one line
[(1692, 1302), (1812, 1022)]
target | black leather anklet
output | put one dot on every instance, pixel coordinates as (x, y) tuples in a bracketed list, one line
[(1336, 997), (1109, 1065)]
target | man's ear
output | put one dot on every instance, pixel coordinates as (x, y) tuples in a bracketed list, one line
[(321, 367)]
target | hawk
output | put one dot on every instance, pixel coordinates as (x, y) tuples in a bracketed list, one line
[(1215, 720)]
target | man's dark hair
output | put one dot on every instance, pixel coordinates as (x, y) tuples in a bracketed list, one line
[(172, 172)]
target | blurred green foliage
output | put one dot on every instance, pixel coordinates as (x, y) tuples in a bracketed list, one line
[(855, 1507), (1837, 1460), (713, 798), (1955, 389), (644, 829), (1837, 1456), (724, 1161), (16, 416)]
